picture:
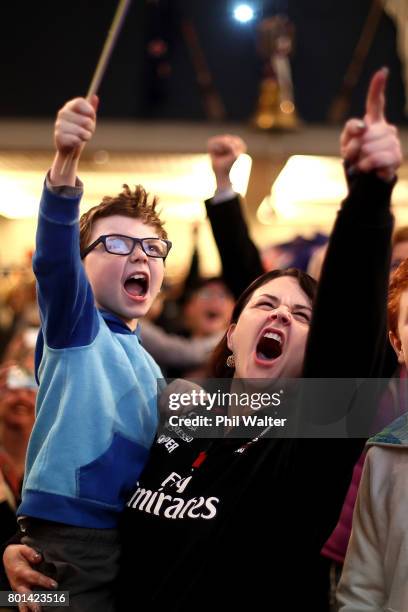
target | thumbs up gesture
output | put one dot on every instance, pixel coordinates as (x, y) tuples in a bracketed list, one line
[(372, 144)]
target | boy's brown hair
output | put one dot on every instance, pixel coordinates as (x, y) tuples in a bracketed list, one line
[(136, 204), (398, 284)]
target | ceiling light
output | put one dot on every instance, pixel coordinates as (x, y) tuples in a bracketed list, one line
[(243, 13)]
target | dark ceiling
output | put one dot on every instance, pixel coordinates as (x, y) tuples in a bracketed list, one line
[(49, 50)]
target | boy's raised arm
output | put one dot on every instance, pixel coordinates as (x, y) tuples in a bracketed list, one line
[(65, 298)]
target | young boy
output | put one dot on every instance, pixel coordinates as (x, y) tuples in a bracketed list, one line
[(96, 408), (375, 574)]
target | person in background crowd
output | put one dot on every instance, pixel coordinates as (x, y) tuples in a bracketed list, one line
[(399, 247), (375, 571), (393, 403), (19, 309), (240, 258), (206, 313), (174, 352), (315, 264), (208, 308), (18, 391)]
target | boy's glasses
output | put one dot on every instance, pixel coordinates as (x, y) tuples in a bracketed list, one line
[(125, 245)]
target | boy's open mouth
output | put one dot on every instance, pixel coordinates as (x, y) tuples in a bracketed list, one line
[(137, 285), (269, 346)]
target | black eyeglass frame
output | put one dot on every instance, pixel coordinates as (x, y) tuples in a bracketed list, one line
[(135, 241)]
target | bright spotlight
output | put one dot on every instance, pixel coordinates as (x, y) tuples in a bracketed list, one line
[(243, 13)]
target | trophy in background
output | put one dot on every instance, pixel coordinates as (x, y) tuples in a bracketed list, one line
[(276, 107)]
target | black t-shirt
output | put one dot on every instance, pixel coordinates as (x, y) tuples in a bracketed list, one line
[(232, 520)]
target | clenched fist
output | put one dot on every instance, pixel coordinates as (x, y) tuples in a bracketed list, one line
[(75, 125), (224, 150)]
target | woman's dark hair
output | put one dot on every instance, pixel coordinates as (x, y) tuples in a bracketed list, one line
[(217, 367)]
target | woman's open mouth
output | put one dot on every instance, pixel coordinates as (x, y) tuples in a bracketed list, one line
[(137, 286), (269, 347)]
